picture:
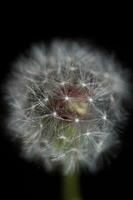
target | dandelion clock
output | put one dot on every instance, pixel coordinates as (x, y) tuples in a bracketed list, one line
[(65, 103)]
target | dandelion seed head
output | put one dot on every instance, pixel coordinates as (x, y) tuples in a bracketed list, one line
[(65, 103)]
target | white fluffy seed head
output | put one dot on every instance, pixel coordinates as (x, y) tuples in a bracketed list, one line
[(51, 127)]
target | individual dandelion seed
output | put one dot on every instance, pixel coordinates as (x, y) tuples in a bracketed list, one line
[(65, 102)]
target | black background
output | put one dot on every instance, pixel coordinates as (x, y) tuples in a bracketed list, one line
[(110, 29)]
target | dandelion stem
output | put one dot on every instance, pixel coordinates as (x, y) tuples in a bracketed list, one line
[(71, 187)]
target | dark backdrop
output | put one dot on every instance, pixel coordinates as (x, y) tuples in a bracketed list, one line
[(20, 29)]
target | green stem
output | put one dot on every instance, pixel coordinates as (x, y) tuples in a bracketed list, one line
[(71, 187)]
